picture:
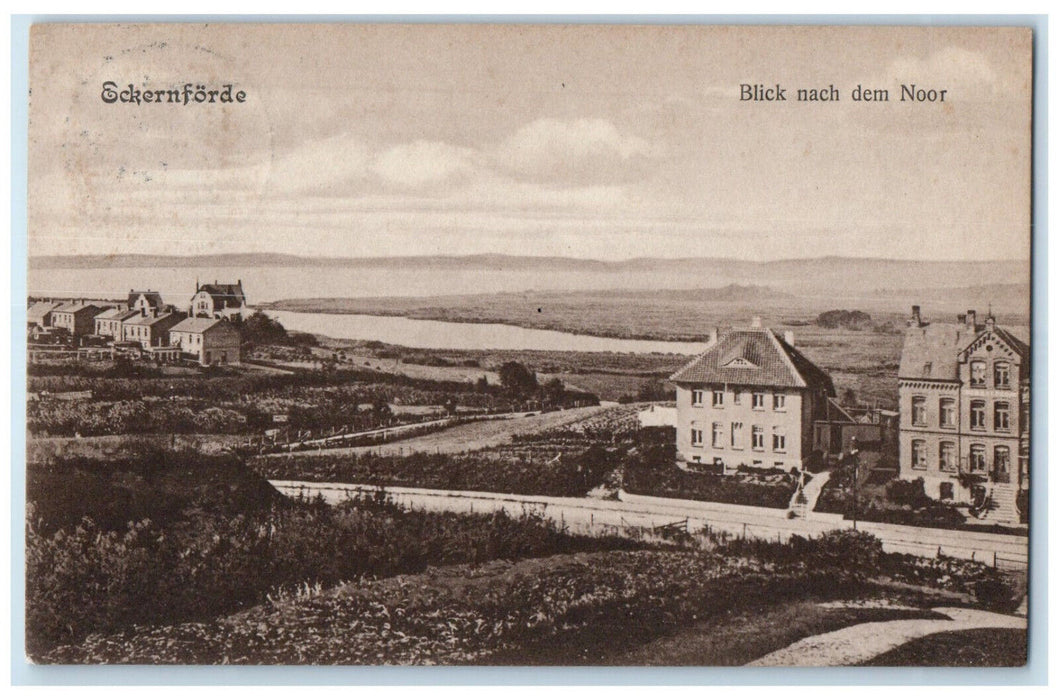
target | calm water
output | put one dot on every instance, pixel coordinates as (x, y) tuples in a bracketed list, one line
[(417, 333), (270, 284), (264, 284)]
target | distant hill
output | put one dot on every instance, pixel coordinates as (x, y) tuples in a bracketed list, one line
[(821, 277)]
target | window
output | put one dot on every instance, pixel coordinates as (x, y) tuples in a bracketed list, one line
[(977, 458), (698, 397), (1002, 459), (978, 415), (737, 398), (945, 491), (757, 437), (947, 457), (779, 402), (978, 373), (758, 401), (779, 439), (696, 437), (919, 454), (718, 398), (919, 410), (947, 413), (718, 435), (737, 436), (1001, 416), (1002, 375)]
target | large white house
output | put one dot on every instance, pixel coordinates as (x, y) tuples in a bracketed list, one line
[(749, 400)]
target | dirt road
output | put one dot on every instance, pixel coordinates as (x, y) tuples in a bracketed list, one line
[(470, 436)]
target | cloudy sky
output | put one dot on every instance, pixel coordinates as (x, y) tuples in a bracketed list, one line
[(600, 142)]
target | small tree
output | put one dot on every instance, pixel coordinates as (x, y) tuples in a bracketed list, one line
[(517, 379)]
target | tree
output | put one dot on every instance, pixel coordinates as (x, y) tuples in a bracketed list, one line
[(517, 379), (554, 391), (264, 330)]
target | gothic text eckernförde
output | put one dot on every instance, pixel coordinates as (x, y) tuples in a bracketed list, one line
[(188, 94)]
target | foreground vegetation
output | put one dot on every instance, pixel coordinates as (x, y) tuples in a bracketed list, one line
[(164, 538)]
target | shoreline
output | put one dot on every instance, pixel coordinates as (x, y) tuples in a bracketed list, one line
[(413, 315)]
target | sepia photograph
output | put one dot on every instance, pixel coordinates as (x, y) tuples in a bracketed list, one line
[(528, 344)]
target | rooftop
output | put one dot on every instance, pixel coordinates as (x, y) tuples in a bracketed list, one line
[(754, 357)]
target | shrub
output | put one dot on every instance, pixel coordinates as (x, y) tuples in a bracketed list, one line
[(995, 594)]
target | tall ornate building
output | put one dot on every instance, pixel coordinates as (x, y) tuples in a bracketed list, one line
[(964, 393)]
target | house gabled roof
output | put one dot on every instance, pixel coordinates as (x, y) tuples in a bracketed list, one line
[(154, 299), (116, 315), (225, 295), (74, 307), (933, 351), (196, 325), (754, 357), (152, 320), (40, 309)]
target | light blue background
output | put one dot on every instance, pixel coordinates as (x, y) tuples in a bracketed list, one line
[(1034, 673)]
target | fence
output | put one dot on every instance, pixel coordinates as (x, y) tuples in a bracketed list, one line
[(660, 520)]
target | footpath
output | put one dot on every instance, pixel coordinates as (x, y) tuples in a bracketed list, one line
[(859, 643)]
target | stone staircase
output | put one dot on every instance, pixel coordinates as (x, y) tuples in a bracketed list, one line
[(1000, 505), (804, 499)]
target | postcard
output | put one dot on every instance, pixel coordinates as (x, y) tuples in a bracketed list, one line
[(528, 344)]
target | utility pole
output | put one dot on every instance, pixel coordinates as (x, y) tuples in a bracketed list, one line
[(855, 457)]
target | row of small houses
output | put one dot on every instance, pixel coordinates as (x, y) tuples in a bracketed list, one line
[(144, 325)]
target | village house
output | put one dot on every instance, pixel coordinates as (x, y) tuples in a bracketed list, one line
[(77, 317), (964, 426), (151, 330), (749, 400), (209, 341), (218, 301), (39, 313), (109, 323), (145, 302)]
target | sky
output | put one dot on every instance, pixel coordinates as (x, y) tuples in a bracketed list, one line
[(605, 142)]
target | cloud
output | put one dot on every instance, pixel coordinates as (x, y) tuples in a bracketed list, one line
[(327, 166), (581, 151), (424, 164)]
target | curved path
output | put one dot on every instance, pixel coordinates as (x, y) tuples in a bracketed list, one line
[(859, 643)]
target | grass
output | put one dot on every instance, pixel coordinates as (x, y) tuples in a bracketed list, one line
[(740, 637), (977, 648)]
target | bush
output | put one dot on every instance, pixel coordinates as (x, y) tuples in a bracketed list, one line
[(995, 594)]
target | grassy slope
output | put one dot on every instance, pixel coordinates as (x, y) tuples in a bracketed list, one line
[(980, 647), (601, 608)]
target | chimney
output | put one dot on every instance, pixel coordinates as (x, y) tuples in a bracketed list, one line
[(788, 337), (915, 320), (970, 319), (755, 322), (961, 318)]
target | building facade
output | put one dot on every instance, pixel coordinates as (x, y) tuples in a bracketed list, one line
[(749, 400), (218, 301), (151, 331), (78, 318), (109, 323), (964, 426), (209, 341)]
